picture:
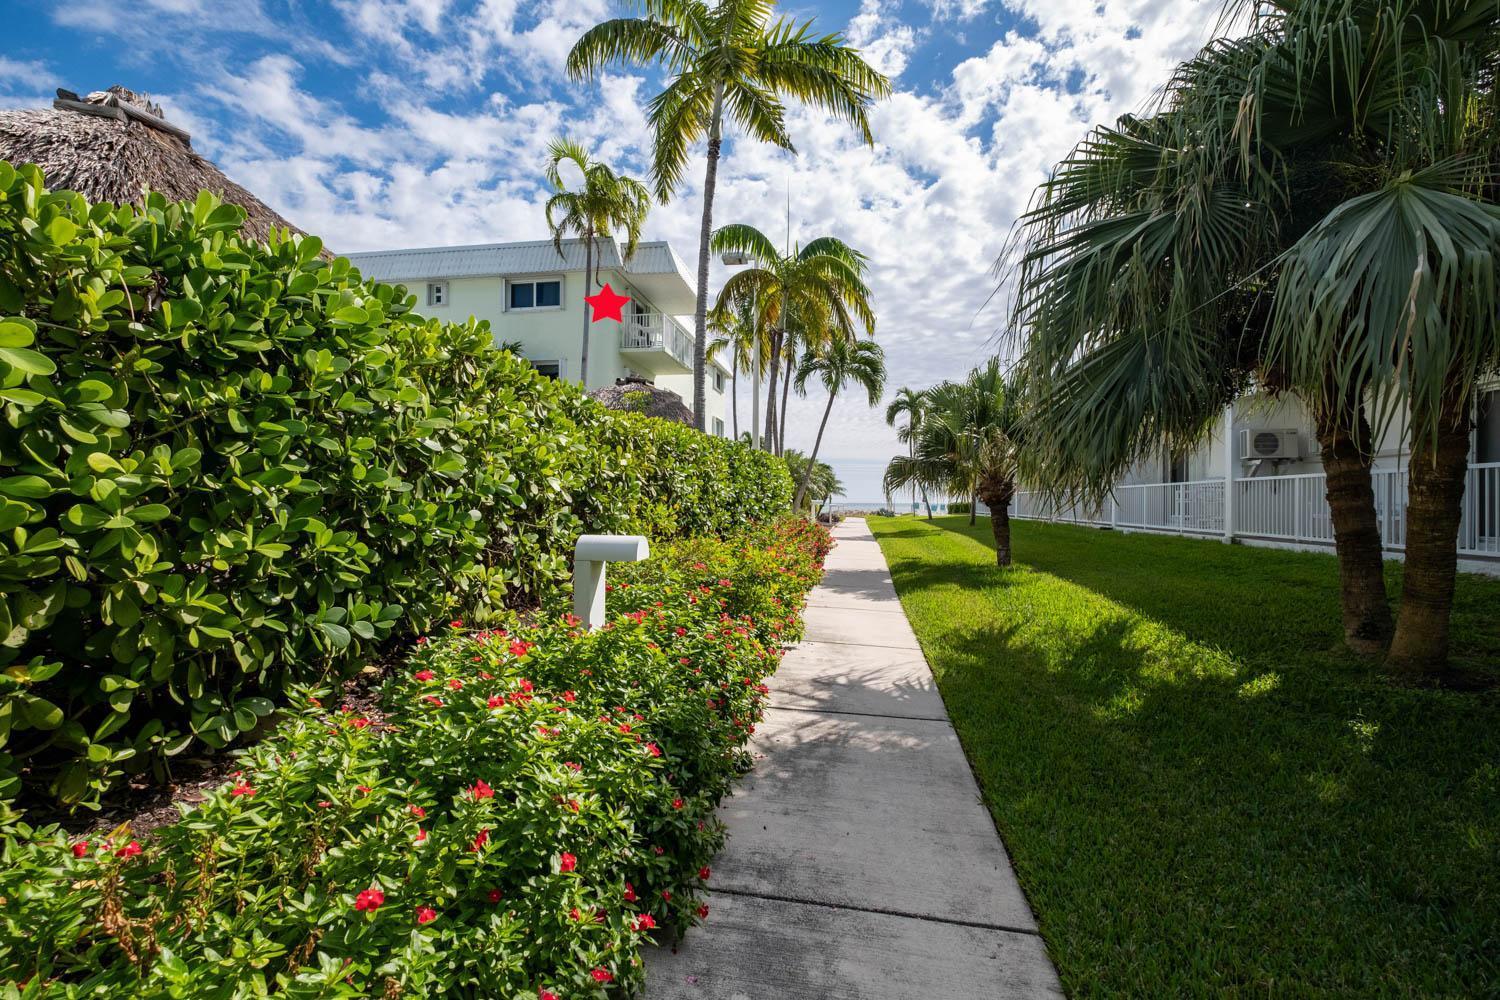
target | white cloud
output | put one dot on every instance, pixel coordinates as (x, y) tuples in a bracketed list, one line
[(444, 142)]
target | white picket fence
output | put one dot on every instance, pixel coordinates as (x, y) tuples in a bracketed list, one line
[(1288, 509)]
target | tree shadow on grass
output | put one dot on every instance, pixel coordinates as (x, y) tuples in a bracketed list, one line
[(1245, 828)]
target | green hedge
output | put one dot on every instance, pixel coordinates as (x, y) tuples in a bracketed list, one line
[(227, 467), (529, 807)]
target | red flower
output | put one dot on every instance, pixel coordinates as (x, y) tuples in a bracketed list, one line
[(545, 995), (363, 789), (653, 749), (602, 976), (566, 862), (421, 835), (494, 895), (80, 849), (426, 915), (519, 648), (130, 850), (418, 812), (569, 696), (645, 922), (676, 803), (666, 895), (681, 631), (241, 788), (496, 701), (629, 893), (424, 675), (572, 765), (703, 912), (369, 900), (359, 723), (705, 872), (482, 790), (527, 686), (455, 684), (456, 623), (433, 700), (480, 841), (325, 804)]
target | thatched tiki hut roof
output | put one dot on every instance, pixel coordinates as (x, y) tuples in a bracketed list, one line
[(111, 145), (638, 396)]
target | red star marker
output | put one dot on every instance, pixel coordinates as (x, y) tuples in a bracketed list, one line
[(608, 304)]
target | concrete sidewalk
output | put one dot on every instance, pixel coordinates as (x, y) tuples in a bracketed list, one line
[(861, 862)]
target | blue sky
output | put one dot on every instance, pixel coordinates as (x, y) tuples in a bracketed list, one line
[(380, 123)]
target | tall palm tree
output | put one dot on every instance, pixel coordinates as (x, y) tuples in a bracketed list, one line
[(727, 60), (735, 330), (969, 445), (911, 403), (843, 363), (605, 201), (807, 297)]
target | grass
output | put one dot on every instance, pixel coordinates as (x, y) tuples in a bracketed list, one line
[(1202, 792)]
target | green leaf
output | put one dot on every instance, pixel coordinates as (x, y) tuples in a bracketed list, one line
[(27, 361), (60, 230), (28, 487), (337, 635)]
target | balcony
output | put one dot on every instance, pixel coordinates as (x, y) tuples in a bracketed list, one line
[(656, 344)]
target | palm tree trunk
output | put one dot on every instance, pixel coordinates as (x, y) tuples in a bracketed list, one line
[(1347, 453), (813, 461), (786, 391), (1439, 465), (734, 396), (973, 508), (998, 493), (769, 432), (588, 289), (700, 311)]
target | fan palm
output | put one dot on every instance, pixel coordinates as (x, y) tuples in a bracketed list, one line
[(806, 297), (969, 444), (1159, 275), (606, 201), (843, 363), (728, 61), (912, 404)]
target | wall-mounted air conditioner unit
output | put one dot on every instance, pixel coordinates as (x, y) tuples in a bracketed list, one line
[(1259, 446)]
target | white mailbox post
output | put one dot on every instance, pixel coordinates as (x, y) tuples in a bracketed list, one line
[(589, 557)]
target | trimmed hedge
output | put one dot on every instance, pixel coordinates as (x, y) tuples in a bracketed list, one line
[(535, 805), (228, 467)]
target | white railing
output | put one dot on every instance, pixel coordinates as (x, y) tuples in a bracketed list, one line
[(657, 332), (1290, 509)]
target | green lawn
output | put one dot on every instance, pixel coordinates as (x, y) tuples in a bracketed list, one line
[(1202, 793)]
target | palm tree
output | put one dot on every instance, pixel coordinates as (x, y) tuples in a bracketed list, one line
[(844, 362), (605, 201), (727, 60), (969, 445), (911, 403), (1159, 275), (806, 297), (822, 484), (735, 330)]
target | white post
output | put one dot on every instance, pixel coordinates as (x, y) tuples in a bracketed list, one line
[(589, 556), (1229, 477)]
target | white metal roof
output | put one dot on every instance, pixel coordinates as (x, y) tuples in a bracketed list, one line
[(505, 259)]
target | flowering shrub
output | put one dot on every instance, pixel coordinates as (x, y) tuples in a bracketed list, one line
[(531, 803), (228, 467)]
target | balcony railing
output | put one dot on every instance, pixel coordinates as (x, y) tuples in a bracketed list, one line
[(657, 332), (1276, 509)]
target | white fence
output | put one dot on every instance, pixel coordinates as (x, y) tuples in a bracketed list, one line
[(657, 332), (1289, 509)]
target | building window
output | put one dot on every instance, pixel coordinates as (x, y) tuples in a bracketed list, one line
[(534, 294), (718, 381), (437, 293), (548, 369), (718, 427)]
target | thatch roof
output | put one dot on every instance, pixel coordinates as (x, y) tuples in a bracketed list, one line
[(113, 144), (634, 396)]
